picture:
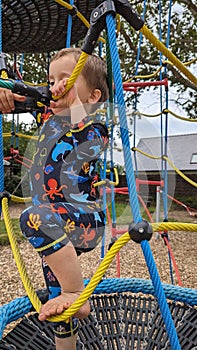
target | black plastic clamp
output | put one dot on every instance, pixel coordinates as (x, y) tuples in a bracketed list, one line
[(73, 11), (140, 231), (40, 94), (113, 240), (123, 8), (97, 24), (5, 194), (3, 62), (29, 105)]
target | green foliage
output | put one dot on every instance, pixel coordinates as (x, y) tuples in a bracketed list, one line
[(124, 213), (35, 68)]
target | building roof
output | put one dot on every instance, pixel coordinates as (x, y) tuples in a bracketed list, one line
[(181, 150)]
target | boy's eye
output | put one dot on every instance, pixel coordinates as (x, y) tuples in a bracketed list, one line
[(51, 83)]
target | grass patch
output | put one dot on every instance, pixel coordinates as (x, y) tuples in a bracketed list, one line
[(124, 214), (4, 240)]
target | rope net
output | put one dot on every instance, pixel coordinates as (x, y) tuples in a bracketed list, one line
[(117, 321), (41, 25)]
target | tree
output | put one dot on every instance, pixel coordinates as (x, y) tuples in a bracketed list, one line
[(183, 44)]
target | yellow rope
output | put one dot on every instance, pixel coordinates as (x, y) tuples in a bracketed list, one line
[(98, 274), (190, 62), (162, 48), (27, 136), (174, 226), (20, 200), (28, 285), (179, 117), (112, 253), (145, 154), (35, 84), (4, 74), (180, 172), (7, 134), (152, 75), (77, 70), (165, 111), (148, 76), (18, 257), (169, 162), (78, 14), (138, 113), (118, 25)]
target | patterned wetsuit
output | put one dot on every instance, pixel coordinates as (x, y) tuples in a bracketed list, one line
[(65, 203)]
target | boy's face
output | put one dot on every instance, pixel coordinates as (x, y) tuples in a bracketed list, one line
[(63, 68)]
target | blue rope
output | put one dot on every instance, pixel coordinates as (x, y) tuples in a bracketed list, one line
[(131, 182), (69, 27), (17, 131), (140, 40), (21, 63), (164, 141), (13, 130), (111, 173), (13, 311), (139, 285), (123, 119), (20, 306), (164, 193), (103, 173), (1, 35), (1, 118), (135, 100), (159, 292), (169, 22)]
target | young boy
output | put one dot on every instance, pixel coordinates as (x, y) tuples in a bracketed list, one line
[(66, 218)]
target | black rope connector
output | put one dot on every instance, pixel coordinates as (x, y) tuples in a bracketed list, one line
[(165, 235), (113, 240), (40, 93), (123, 8), (3, 62), (73, 11), (140, 231), (5, 194), (97, 24)]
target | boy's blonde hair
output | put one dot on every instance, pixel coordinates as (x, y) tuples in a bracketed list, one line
[(94, 70)]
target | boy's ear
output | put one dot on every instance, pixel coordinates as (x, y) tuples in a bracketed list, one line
[(94, 96)]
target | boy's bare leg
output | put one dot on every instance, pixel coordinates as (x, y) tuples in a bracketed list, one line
[(65, 265), (66, 343)]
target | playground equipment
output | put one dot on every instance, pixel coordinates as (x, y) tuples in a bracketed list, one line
[(120, 318)]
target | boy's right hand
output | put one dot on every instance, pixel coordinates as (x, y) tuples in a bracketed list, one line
[(7, 99), (65, 100)]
